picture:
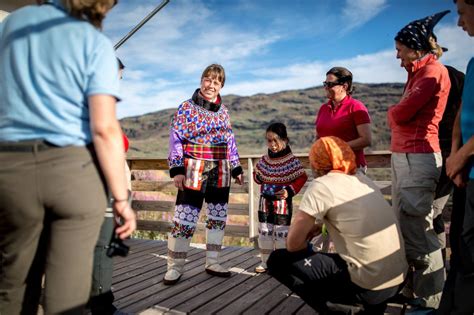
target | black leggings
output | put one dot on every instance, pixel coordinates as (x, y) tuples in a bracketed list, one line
[(321, 277)]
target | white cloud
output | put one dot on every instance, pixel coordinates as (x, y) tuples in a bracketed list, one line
[(185, 37), (460, 46), (357, 13), (134, 75), (371, 68), (378, 67), (170, 52), (141, 97)]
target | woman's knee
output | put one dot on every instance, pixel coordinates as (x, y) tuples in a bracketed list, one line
[(278, 261)]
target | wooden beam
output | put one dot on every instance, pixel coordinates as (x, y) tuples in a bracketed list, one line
[(164, 227), (168, 187), (168, 206)]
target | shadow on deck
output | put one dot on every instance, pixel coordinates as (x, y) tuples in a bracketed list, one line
[(139, 289)]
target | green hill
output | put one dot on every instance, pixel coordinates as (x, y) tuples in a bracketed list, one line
[(250, 116)]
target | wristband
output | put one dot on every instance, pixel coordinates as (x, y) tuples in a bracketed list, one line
[(129, 198)]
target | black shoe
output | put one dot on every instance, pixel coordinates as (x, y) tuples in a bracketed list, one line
[(223, 274)]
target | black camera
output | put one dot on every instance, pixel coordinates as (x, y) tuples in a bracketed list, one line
[(117, 247)]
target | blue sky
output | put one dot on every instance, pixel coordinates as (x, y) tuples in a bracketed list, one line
[(266, 46)]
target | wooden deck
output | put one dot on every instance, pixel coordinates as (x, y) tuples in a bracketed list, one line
[(139, 289)]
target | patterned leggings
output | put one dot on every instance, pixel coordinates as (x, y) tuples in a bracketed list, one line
[(274, 217), (189, 204)]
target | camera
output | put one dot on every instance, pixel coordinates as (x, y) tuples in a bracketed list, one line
[(117, 247)]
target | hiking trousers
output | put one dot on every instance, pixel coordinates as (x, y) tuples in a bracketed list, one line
[(61, 188)]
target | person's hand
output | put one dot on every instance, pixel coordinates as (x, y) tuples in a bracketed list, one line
[(460, 180), (281, 194), (258, 179), (455, 163), (123, 210), (179, 181), (240, 179)]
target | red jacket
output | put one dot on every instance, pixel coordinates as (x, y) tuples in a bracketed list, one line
[(414, 120)]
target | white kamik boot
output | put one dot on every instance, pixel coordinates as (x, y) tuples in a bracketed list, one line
[(280, 234), (213, 246), (265, 243), (177, 252)]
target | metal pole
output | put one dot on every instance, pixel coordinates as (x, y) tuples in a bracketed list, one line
[(139, 25)]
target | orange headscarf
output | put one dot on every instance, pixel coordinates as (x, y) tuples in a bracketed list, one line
[(332, 154)]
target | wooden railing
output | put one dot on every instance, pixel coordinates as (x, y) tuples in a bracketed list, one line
[(247, 205)]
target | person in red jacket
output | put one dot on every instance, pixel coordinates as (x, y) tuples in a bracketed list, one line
[(281, 176), (416, 157)]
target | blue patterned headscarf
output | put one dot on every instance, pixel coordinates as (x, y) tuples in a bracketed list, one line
[(417, 33)]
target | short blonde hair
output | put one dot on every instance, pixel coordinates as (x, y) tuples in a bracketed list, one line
[(214, 71), (435, 48)]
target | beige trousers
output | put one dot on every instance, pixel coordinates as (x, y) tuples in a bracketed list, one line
[(414, 180)]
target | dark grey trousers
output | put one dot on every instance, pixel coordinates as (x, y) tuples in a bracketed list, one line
[(101, 293), (319, 278), (459, 286)]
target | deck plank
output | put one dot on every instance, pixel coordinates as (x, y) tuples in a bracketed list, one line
[(306, 310), (277, 295), (154, 267), (138, 256), (138, 285), (288, 306), (213, 287), (153, 253), (136, 288), (136, 250), (190, 278), (231, 295), (251, 297)]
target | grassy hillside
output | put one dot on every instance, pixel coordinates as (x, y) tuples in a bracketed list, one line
[(251, 115)]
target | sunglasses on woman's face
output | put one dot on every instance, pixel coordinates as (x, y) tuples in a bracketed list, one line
[(330, 84)]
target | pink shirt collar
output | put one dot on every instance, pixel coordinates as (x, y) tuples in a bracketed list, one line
[(345, 100)]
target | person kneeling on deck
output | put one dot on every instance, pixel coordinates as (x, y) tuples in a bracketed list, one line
[(370, 263), (202, 158)]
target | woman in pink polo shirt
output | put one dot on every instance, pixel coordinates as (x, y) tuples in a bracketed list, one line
[(343, 116)]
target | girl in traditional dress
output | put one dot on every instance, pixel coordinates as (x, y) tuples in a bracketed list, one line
[(281, 176)]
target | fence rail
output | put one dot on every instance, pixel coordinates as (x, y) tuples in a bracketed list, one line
[(249, 190)]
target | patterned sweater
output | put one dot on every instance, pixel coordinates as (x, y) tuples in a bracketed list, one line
[(281, 170), (201, 130)]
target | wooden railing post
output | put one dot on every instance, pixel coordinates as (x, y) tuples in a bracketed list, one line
[(251, 199)]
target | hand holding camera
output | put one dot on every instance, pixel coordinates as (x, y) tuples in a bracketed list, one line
[(122, 208), (117, 247), (126, 223)]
